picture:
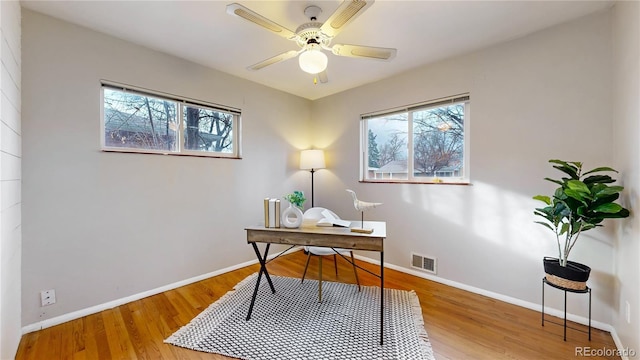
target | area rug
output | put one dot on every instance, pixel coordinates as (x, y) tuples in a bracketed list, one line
[(291, 324)]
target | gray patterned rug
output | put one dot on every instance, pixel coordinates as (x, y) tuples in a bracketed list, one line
[(291, 324)]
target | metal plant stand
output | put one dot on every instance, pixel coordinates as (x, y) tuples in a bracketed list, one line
[(585, 291)]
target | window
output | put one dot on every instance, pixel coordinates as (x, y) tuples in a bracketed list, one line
[(424, 143), (137, 121)]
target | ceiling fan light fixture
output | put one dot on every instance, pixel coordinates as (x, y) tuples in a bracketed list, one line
[(313, 61)]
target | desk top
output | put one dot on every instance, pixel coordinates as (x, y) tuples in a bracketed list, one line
[(311, 235)]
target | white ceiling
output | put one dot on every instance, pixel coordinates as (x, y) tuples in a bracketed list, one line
[(422, 31)]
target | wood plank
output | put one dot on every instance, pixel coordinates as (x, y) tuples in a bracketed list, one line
[(460, 324), (96, 343), (28, 346), (120, 345)]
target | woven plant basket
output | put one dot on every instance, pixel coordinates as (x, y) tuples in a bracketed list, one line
[(574, 276), (564, 283)]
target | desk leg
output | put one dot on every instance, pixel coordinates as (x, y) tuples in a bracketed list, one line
[(381, 297), (263, 269)]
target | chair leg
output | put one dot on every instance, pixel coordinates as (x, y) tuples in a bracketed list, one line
[(320, 279), (335, 263), (353, 262), (306, 266)]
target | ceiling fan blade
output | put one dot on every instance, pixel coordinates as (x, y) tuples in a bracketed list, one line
[(346, 12), (252, 16), (272, 60), (369, 52)]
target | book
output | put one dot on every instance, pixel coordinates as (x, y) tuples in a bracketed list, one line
[(330, 220), (273, 215), (266, 212)]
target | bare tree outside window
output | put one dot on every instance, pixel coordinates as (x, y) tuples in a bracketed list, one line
[(420, 144), (390, 152), (208, 130), (438, 141), (393, 150), (139, 122)]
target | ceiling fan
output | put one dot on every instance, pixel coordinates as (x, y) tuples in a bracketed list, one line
[(313, 37)]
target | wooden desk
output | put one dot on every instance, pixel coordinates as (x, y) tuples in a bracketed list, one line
[(311, 235)]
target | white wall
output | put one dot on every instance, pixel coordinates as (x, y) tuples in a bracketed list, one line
[(548, 95), (103, 226), (626, 124), (544, 96), (10, 178)]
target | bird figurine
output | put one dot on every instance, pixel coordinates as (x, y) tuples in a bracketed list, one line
[(362, 206)]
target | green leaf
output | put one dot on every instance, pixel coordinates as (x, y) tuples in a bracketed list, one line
[(623, 213), (555, 181), (578, 195), (609, 208), (543, 198), (559, 194), (565, 228), (575, 228), (609, 190), (578, 186), (541, 212), (598, 169), (570, 168), (555, 161), (545, 224), (599, 200), (604, 179)]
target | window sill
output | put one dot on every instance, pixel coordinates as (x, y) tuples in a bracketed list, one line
[(153, 152), (466, 183)]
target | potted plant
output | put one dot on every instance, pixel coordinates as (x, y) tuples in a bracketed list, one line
[(292, 216), (580, 203), (296, 198)]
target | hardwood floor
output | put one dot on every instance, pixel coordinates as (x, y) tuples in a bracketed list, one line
[(460, 324)]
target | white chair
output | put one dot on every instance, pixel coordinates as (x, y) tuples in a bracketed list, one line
[(315, 213)]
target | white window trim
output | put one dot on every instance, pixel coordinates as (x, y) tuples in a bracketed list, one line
[(412, 179), (181, 102)]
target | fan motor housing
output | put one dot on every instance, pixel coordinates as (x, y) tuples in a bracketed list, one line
[(311, 30)]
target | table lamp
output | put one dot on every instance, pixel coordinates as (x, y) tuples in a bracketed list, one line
[(312, 160)]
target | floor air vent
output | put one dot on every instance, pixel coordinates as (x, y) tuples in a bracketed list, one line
[(423, 262)]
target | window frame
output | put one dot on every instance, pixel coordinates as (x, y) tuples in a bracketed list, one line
[(181, 103), (464, 179)]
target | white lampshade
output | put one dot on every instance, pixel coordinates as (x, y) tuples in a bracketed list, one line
[(313, 61), (312, 159)]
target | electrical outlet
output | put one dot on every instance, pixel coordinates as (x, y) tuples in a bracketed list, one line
[(48, 297), (628, 311)]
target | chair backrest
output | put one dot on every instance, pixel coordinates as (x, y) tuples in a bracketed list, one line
[(315, 213)]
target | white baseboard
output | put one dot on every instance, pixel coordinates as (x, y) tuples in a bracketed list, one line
[(493, 295), (111, 304), (508, 299), (619, 344)]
